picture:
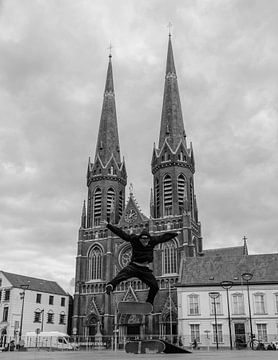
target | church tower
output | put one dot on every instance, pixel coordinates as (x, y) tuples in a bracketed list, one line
[(106, 182), (106, 177), (173, 166), (173, 207)]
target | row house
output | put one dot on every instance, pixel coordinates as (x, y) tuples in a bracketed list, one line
[(30, 304), (222, 299)]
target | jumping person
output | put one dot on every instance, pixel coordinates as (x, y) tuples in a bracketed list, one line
[(142, 255)]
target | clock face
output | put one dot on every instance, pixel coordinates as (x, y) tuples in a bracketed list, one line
[(130, 215)]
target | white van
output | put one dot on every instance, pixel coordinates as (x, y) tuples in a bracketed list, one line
[(48, 339)]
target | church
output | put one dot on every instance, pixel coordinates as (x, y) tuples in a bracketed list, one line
[(173, 207)]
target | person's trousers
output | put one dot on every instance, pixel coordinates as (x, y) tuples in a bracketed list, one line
[(143, 273)]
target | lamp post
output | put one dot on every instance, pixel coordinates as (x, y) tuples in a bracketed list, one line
[(247, 277), (215, 295), (227, 285), (22, 297)]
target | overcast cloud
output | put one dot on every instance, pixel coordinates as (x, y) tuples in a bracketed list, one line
[(53, 63)]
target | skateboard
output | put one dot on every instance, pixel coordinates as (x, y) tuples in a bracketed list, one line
[(134, 307), (144, 347)]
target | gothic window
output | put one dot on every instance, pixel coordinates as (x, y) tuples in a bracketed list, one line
[(97, 206), (95, 263), (110, 201), (181, 156), (191, 196), (89, 208), (112, 170), (182, 191), (121, 202), (167, 195), (157, 198), (170, 257)]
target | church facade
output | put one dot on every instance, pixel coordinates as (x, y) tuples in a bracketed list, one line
[(173, 207)]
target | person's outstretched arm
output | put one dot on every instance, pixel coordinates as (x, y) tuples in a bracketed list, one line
[(117, 231), (164, 237)]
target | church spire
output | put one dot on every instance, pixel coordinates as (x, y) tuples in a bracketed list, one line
[(108, 138), (171, 127)]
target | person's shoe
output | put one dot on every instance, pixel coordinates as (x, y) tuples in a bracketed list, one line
[(108, 289)]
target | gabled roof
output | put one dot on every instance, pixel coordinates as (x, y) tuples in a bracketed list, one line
[(35, 284), (132, 205), (211, 270), (228, 251)]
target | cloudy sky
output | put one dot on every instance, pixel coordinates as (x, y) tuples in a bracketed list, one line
[(53, 63)]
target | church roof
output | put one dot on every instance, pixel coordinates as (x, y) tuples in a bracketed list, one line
[(211, 270), (35, 284), (227, 251)]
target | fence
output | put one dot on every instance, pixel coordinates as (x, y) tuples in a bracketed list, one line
[(205, 342)]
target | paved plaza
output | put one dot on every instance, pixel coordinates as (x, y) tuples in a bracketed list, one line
[(122, 355)]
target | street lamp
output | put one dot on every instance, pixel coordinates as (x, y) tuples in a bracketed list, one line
[(247, 277), (215, 295), (227, 285), (22, 297)]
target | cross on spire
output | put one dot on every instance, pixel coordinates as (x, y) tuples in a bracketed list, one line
[(169, 27), (110, 49)]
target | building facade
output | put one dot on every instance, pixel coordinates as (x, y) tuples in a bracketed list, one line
[(173, 205), (247, 301), (28, 304)]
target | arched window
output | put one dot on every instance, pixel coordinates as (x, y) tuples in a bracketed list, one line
[(97, 206), (50, 317), (192, 196), (157, 198), (112, 170), (89, 208), (181, 156), (95, 263), (182, 191), (167, 195), (170, 258), (62, 318), (110, 201)]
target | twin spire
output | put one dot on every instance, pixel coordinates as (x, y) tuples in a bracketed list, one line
[(108, 138), (171, 127)]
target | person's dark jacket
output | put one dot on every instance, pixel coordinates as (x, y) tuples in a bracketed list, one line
[(141, 253)]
